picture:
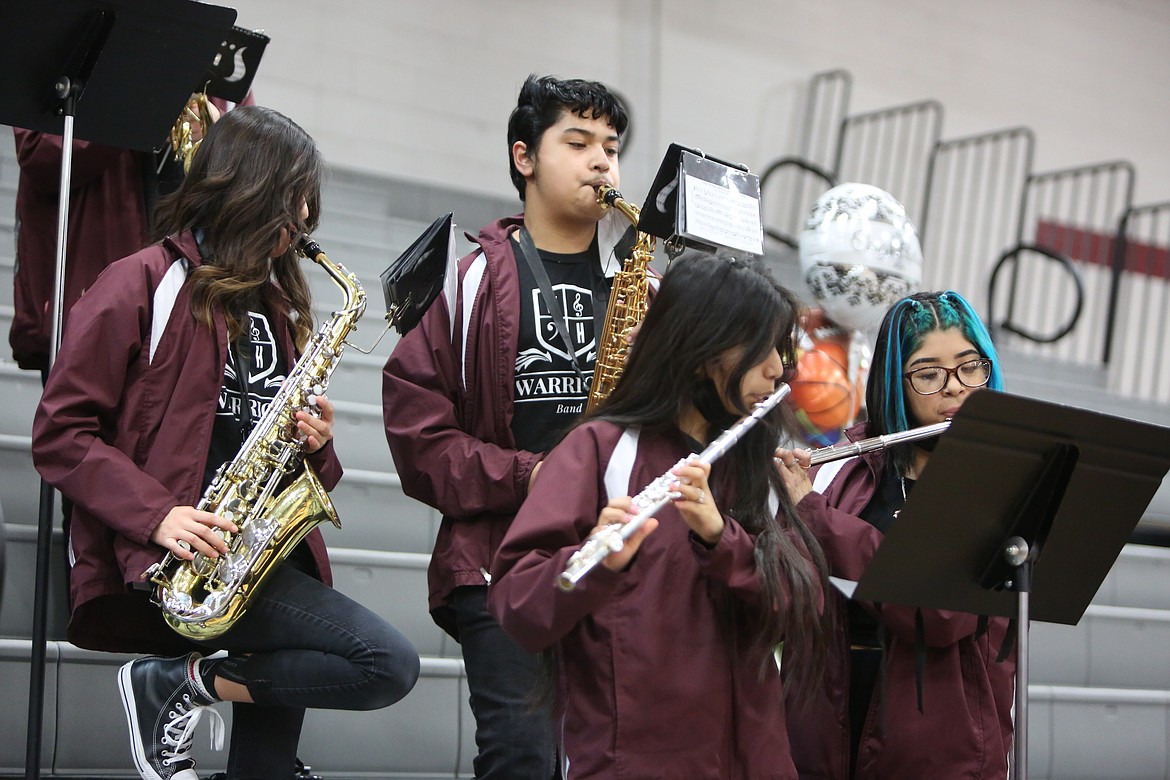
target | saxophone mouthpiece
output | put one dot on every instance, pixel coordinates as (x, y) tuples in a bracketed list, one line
[(607, 194), (307, 246)]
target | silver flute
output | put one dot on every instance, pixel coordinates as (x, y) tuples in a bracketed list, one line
[(839, 451), (656, 495)]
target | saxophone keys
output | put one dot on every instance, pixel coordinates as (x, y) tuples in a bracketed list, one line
[(256, 533), (213, 602), (232, 567), (203, 566), (179, 602), (235, 508)]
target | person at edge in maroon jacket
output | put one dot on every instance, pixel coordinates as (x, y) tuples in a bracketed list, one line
[(874, 716), (113, 193), (167, 362), (664, 654), (476, 394)]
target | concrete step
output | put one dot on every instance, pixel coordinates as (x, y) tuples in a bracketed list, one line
[(391, 584), (1111, 647), (22, 393), (19, 481), (426, 735), (20, 567), (1137, 579), (1075, 732), (374, 511), (1092, 733)]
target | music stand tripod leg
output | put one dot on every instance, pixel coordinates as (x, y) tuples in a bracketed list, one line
[(1017, 554)]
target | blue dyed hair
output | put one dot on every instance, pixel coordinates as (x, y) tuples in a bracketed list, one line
[(902, 332)]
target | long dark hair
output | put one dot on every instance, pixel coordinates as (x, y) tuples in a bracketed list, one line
[(704, 308), (903, 329), (247, 182), (540, 104)]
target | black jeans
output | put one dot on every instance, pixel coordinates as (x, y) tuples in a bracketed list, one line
[(514, 736), (302, 644)]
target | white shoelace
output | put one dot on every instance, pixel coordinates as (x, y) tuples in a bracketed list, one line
[(179, 731)]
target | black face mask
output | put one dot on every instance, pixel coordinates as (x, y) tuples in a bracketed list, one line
[(707, 402)]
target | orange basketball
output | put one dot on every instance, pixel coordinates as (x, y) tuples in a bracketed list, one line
[(821, 388)]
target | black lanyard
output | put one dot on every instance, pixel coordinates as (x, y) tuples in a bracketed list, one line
[(243, 353), (532, 256)]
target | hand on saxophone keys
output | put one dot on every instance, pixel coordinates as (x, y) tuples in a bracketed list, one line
[(187, 530), (317, 429)]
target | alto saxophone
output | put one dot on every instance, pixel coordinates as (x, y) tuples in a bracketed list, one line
[(204, 597), (627, 303)]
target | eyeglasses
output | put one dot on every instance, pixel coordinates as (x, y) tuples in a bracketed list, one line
[(929, 380)]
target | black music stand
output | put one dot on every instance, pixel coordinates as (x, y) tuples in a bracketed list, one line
[(115, 72), (1021, 512)]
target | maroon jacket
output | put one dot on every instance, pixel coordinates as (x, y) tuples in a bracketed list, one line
[(965, 728), (654, 679), (447, 400), (125, 434), (107, 220)]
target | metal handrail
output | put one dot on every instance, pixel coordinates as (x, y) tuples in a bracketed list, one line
[(1012, 255), (803, 164)]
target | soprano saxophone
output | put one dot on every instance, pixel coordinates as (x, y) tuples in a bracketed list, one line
[(204, 597), (627, 303), (656, 495)]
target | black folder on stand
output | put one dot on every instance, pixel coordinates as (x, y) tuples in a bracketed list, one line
[(1072, 483)]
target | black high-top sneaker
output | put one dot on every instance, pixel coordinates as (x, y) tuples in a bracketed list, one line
[(164, 699)]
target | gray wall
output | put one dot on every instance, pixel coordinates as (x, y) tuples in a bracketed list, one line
[(421, 90)]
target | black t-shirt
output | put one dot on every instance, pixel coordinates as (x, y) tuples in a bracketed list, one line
[(266, 371), (549, 393)]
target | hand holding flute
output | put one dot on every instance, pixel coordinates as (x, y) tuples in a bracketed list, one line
[(793, 463), (692, 497)]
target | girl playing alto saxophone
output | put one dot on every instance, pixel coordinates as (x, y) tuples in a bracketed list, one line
[(166, 362)]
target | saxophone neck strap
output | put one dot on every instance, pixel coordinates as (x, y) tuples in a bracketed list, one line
[(532, 257), (243, 354)]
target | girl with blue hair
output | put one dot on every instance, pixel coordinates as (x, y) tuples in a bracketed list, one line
[(908, 693)]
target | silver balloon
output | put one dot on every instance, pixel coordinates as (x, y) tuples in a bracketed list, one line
[(859, 254)]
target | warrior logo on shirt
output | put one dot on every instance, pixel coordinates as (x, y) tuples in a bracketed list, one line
[(263, 379), (544, 371), (577, 304)]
